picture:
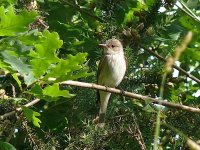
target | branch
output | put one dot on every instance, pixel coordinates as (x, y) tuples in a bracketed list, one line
[(112, 90), (2, 117), (132, 95), (174, 66), (186, 10)]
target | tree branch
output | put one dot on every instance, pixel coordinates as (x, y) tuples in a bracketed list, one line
[(112, 90), (2, 117), (186, 10), (174, 66), (132, 95)]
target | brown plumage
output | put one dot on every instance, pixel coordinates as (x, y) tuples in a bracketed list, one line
[(111, 70)]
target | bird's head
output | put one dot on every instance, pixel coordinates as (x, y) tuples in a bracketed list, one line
[(112, 46)]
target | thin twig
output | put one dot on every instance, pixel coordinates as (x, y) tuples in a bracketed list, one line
[(174, 66), (30, 137), (134, 130), (13, 90), (2, 117), (132, 95), (186, 10)]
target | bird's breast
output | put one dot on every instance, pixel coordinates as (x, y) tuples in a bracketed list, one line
[(113, 70)]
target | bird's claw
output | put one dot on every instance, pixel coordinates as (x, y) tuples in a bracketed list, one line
[(106, 88), (122, 92)]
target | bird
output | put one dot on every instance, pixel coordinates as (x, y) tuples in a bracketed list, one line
[(111, 71)]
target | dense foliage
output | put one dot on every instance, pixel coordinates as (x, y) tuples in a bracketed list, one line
[(58, 40)]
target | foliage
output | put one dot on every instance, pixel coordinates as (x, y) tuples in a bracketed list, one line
[(45, 42)]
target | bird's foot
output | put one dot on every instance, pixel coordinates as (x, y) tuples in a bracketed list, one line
[(100, 120), (106, 87), (122, 92), (96, 120)]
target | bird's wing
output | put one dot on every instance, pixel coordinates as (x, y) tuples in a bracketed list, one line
[(126, 60), (98, 73)]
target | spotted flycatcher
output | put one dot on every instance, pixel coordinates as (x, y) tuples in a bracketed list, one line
[(111, 71)]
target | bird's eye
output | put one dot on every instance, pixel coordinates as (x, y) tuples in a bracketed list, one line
[(112, 46)]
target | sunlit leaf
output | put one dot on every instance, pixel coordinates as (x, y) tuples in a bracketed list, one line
[(12, 24), (44, 54), (32, 116), (17, 80), (6, 146), (69, 67), (54, 91), (18, 65)]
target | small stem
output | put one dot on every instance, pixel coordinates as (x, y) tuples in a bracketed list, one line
[(157, 130), (174, 66), (2, 117), (162, 85)]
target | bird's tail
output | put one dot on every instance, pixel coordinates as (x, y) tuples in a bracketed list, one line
[(104, 97)]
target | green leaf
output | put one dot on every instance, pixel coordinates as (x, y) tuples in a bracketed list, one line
[(43, 64), (8, 2), (148, 108), (128, 16), (45, 52), (12, 24), (14, 75), (6, 146), (4, 66), (192, 54), (36, 90), (71, 68), (50, 43), (18, 65), (32, 116), (49, 93), (189, 23), (54, 91), (30, 38)]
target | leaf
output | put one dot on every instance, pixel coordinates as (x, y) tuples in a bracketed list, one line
[(42, 64), (7, 2), (14, 75), (148, 108), (50, 43), (135, 102), (44, 54), (54, 91), (36, 90), (6, 146), (189, 23), (49, 93), (71, 68), (128, 16), (11, 24), (175, 36), (18, 65), (192, 54), (30, 38), (32, 116), (4, 66)]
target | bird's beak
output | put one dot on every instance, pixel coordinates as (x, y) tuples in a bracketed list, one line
[(103, 45)]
